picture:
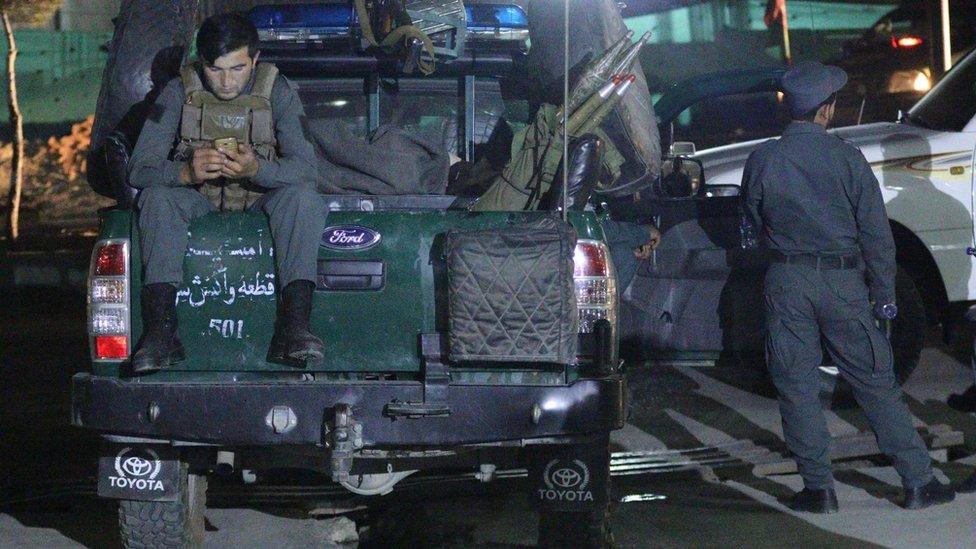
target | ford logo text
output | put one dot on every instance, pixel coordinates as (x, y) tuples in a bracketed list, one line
[(349, 237)]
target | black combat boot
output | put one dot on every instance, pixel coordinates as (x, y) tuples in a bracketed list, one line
[(159, 346), (815, 501), (293, 343), (933, 493)]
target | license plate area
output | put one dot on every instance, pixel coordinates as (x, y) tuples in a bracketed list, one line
[(139, 472)]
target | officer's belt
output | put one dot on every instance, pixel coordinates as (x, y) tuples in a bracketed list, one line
[(818, 261)]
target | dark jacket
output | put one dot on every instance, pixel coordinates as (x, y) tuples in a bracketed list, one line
[(810, 191)]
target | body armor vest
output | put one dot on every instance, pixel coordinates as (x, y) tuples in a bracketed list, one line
[(247, 118)]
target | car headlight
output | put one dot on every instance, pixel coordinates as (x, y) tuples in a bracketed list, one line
[(909, 81)]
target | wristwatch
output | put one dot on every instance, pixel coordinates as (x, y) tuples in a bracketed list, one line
[(888, 311)]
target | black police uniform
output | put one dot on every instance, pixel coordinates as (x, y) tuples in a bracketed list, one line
[(818, 209)]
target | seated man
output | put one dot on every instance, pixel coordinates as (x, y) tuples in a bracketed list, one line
[(228, 134)]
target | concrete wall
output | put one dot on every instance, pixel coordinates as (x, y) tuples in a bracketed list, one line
[(87, 15), (58, 75)]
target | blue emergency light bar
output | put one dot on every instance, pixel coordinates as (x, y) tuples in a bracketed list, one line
[(301, 22)]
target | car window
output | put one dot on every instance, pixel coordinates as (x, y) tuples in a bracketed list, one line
[(430, 108), (952, 102), (732, 119), (338, 105), (434, 110), (898, 22)]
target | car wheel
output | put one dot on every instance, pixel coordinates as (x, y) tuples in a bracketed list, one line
[(589, 529), (907, 331), (166, 524)]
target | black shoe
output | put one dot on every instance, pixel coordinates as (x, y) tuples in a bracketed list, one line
[(933, 493), (293, 343), (815, 501), (967, 486), (159, 346)]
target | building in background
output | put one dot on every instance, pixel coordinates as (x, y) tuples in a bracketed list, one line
[(86, 15)]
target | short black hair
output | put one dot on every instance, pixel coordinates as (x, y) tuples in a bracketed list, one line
[(811, 115), (226, 32)]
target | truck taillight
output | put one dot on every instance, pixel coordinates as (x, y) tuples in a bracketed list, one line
[(596, 285), (110, 259), (108, 300)]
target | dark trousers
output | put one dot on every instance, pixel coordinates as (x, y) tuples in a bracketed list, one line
[(296, 215), (803, 304)]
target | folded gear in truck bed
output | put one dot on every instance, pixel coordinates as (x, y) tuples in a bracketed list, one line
[(511, 294)]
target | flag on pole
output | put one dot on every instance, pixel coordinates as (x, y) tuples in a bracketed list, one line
[(775, 11)]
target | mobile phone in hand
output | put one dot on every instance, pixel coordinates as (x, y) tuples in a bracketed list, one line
[(226, 144)]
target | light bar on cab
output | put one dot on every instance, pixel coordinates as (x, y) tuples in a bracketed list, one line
[(303, 22)]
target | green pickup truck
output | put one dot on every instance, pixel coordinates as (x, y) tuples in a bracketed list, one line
[(387, 401)]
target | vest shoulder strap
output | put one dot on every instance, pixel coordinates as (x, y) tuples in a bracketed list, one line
[(264, 80), (190, 76)]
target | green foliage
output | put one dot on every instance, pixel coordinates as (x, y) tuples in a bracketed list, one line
[(30, 12)]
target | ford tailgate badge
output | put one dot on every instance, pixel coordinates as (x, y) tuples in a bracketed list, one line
[(349, 237)]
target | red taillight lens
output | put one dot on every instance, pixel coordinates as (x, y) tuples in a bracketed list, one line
[(111, 347), (590, 259), (906, 41), (110, 260)]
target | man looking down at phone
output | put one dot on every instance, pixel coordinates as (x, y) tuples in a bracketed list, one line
[(227, 135)]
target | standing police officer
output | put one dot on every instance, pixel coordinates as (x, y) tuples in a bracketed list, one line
[(818, 209), (184, 172)]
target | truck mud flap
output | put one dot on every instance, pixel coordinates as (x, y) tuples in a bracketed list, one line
[(571, 477), (139, 472)]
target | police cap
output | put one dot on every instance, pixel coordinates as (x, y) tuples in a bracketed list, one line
[(808, 84)]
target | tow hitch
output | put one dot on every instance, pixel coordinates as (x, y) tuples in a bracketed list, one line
[(345, 438)]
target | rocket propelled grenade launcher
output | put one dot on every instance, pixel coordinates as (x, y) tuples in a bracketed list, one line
[(597, 72), (594, 103), (627, 59), (590, 124), (594, 100)]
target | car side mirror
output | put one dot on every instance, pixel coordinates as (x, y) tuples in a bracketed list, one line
[(681, 175), (721, 191)]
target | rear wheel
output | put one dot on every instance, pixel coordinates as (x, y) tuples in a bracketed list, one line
[(589, 529), (166, 524)]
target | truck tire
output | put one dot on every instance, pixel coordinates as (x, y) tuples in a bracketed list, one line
[(589, 529), (166, 524), (907, 331)]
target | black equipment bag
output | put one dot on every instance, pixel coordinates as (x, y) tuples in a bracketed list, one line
[(511, 293)]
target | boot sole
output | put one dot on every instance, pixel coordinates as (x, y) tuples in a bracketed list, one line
[(306, 356), (942, 499)]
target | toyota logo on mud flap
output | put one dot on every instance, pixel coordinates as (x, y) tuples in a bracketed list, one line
[(565, 478), (137, 470), (128, 463), (566, 481), (135, 466)]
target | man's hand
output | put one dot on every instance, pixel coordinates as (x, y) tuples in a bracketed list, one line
[(202, 167), (645, 250), (240, 164)]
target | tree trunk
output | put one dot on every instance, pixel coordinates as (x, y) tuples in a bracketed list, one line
[(17, 122)]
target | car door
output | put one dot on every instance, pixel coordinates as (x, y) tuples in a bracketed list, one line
[(698, 296)]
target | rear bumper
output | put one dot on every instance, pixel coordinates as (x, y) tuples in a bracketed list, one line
[(239, 413)]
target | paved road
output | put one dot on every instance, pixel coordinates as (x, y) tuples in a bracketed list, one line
[(732, 411)]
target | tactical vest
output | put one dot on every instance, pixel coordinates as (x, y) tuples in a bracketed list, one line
[(247, 118)]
